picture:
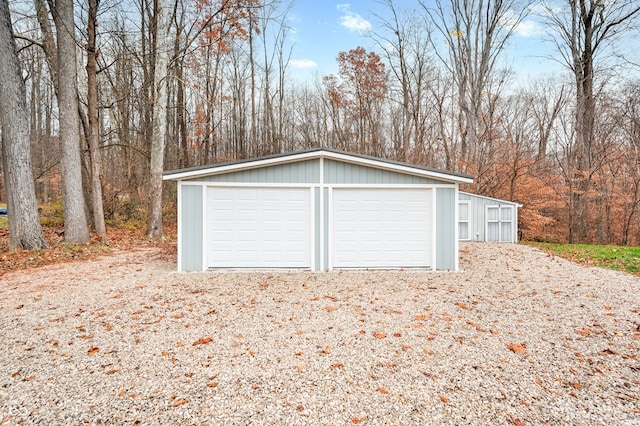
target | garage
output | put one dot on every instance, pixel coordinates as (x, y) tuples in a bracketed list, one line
[(319, 209)]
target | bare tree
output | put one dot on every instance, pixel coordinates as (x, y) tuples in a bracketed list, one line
[(76, 229), (476, 32), (584, 29), (24, 224), (163, 25), (93, 129)]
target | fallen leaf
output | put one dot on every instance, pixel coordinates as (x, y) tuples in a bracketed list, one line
[(379, 335), (336, 365), (254, 386), (397, 334), (355, 420), (326, 350), (444, 399), (516, 421), (30, 378), (20, 306), (203, 341), (121, 393), (585, 331), (212, 385), (179, 402), (383, 391), (93, 350), (576, 385), (427, 351), (329, 308), (518, 348), (110, 372), (463, 306)]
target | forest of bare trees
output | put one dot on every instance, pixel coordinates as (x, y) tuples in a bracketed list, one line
[(117, 92)]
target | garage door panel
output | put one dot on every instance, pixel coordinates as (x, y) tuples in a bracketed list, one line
[(385, 228), (259, 227)]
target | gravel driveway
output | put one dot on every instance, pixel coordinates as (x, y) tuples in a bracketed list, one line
[(517, 337)]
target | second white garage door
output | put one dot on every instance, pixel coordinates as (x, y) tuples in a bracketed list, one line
[(259, 227), (381, 228)]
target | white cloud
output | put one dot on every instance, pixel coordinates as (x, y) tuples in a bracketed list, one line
[(529, 28), (525, 28), (303, 63), (351, 20)]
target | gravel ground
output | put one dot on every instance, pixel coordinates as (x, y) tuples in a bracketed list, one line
[(516, 337)]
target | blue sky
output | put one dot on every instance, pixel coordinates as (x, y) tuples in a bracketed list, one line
[(322, 29)]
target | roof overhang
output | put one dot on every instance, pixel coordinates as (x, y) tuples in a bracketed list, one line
[(331, 154), (498, 200)]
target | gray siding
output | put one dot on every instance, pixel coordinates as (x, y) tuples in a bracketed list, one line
[(338, 172), (325, 218), (299, 172), (445, 229), (191, 224)]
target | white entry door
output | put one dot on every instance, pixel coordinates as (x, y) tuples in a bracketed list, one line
[(259, 227), (381, 228)]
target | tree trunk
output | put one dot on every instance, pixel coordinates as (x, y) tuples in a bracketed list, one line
[(163, 23), (76, 229), (93, 130), (24, 225)]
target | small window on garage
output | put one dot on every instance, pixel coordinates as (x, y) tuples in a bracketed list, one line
[(463, 220)]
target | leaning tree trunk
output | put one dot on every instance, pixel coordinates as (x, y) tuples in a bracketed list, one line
[(24, 225), (154, 221), (76, 229)]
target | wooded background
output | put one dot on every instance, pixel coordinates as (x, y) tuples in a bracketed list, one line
[(136, 87)]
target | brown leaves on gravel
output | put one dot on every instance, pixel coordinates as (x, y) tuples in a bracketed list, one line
[(203, 341), (516, 421), (179, 402), (379, 335), (93, 350), (463, 306), (517, 348), (62, 252)]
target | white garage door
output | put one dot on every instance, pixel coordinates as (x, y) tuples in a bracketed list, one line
[(259, 227), (381, 228)]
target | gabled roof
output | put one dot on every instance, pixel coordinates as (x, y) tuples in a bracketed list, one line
[(498, 200), (310, 154)]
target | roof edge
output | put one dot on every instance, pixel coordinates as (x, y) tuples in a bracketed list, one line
[(313, 153), (490, 198)]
